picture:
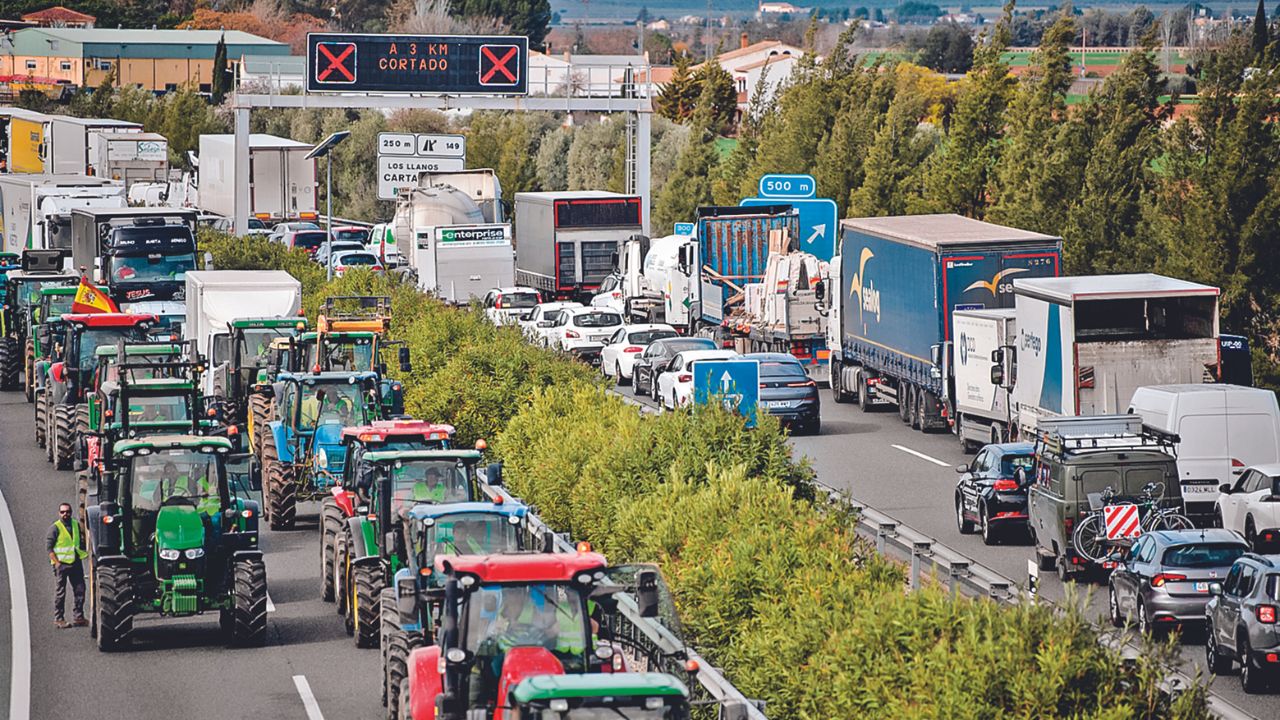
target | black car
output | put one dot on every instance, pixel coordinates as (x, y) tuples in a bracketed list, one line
[(787, 392), (655, 359), (992, 491)]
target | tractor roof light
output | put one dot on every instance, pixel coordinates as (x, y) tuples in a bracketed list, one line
[(513, 519), (691, 666), (108, 519), (584, 546), (246, 513), (558, 705), (482, 445), (582, 579), (467, 581), (455, 655)]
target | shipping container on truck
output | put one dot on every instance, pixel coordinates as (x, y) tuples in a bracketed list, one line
[(35, 209), (70, 140), (282, 181), (983, 411), (131, 157), (567, 242), (24, 136), (1085, 344), (900, 280)]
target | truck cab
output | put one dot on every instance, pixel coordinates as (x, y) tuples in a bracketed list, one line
[(140, 254)]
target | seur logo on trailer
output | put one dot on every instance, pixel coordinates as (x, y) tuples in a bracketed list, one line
[(421, 64)]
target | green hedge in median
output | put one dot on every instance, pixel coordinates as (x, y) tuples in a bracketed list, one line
[(780, 592)]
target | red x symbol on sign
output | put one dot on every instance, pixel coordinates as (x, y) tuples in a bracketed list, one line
[(492, 64), (336, 54)]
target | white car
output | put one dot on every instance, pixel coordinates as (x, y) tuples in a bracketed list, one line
[(1251, 506), (620, 352), (382, 242), (610, 294), (509, 305), (582, 331), (675, 384), (542, 318), (344, 260)]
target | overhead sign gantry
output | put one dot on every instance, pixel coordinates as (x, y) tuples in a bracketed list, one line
[(418, 64)]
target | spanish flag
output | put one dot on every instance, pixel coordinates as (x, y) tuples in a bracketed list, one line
[(90, 299)]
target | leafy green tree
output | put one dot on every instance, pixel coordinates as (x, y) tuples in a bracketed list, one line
[(960, 172), (552, 163), (893, 170), (948, 48), (508, 143), (221, 81), (718, 93), (689, 185), (524, 17), (676, 98), (593, 154)]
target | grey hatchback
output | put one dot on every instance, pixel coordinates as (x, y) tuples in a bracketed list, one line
[(1163, 579), (1242, 621)]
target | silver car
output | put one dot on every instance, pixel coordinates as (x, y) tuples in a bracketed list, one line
[(1242, 620), (1163, 579)]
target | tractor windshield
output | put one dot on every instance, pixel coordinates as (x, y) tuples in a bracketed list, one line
[(428, 481), (467, 534), (342, 404), (159, 408), (176, 476), (55, 305), (255, 343), (543, 615), (151, 268), (91, 339), (349, 355), (30, 293)]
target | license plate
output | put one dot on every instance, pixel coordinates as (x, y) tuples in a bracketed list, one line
[(1199, 490), (1202, 587), (777, 404)]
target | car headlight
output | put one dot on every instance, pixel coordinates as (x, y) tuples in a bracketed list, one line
[(169, 554), (194, 553)]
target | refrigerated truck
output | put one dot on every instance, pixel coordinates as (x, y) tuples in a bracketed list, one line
[(131, 157), (282, 180), (983, 413), (896, 283), (566, 242), (35, 210), (23, 141), (1085, 344), (71, 139)]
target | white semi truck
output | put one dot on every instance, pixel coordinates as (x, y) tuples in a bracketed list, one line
[(131, 157), (282, 181), (35, 210), (72, 141), (451, 230), (983, 411)]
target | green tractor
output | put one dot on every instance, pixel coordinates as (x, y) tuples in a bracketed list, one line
[(169, 538), (301, 451), (373, 546), (599, 696), (242, 362), (18, 320)]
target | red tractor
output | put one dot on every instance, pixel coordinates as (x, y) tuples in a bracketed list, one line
[(512, 616), (380, 435)]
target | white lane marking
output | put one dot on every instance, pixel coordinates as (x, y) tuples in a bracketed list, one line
[(271, 607), (921, 455), (19, 620), (308, 698)]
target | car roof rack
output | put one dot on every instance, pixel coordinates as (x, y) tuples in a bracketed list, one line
[(1101, 433)]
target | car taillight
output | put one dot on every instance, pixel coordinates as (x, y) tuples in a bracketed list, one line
[(684, 378), (1160, 579), (632, 349), (498, 303), (1067, 524), (1266, 614), (1005, 485), (806, 383), (571, 334)]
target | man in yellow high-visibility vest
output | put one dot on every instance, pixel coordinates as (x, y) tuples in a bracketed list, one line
[(65, 544)]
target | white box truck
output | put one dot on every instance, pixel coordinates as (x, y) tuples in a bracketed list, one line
[(282, 184), (71, 138), (217, 297), (983, 411), (35, 210), (567, 242), (1085, 344), (1221, 429), (131, 157)]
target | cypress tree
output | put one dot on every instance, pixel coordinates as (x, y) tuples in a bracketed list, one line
[(1260, 39), (221, 81)]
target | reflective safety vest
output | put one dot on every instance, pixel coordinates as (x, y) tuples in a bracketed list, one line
[(67, 549), (423, 492), (209, 502)]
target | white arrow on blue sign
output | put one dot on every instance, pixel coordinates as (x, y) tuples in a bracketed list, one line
[(818, 222), (736, 383)]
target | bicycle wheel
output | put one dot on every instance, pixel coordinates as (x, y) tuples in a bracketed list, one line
[(1169, 520), (1089, 538)]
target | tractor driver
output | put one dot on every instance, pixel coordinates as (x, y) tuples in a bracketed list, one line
[(528, 618), (200, 489), (311, 408)]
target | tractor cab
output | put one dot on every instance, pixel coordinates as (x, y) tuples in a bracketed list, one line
[(600, 696), (509, 617), (38, 269), (352, 332), (240, 356), (170, 538)]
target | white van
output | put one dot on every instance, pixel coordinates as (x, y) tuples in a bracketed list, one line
[(1221, 429), (383, 244)]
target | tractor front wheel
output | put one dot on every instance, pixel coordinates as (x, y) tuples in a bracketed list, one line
[(28, 370), (41, 409), (249, 603), (64, 437), (366, 587), (330, 523), (9, 367), (280, 490), (114, 606), (400, 645)]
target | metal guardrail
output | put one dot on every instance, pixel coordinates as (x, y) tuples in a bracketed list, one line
[(712, 686)]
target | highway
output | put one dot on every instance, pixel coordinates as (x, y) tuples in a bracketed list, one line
[(311, 669)]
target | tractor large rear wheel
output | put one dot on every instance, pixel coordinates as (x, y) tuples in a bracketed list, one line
[(64, 436), (330, 524), (40, 409), (366, 581), (281, 493), (340, 572), (249, 603), (388, 623), (400, 645), (28, 371), (82, 432), (114, 606), (10, 363), (260, 415)]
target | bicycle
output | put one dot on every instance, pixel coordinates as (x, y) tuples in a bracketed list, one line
[(1090, 536)]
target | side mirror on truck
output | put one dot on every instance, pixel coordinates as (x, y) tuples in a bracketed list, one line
[(406, 364), (997, 374)]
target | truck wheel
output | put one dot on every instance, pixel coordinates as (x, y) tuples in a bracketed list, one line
[(249, 603), (40, 421), (914, 408), (330, 521), (9, 357), (905, 402), (64, 437), (28, 371), (280, 490), (864, 393), (82, 432), (364, 599), (114, 607), (834, 373), (402, 645)]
